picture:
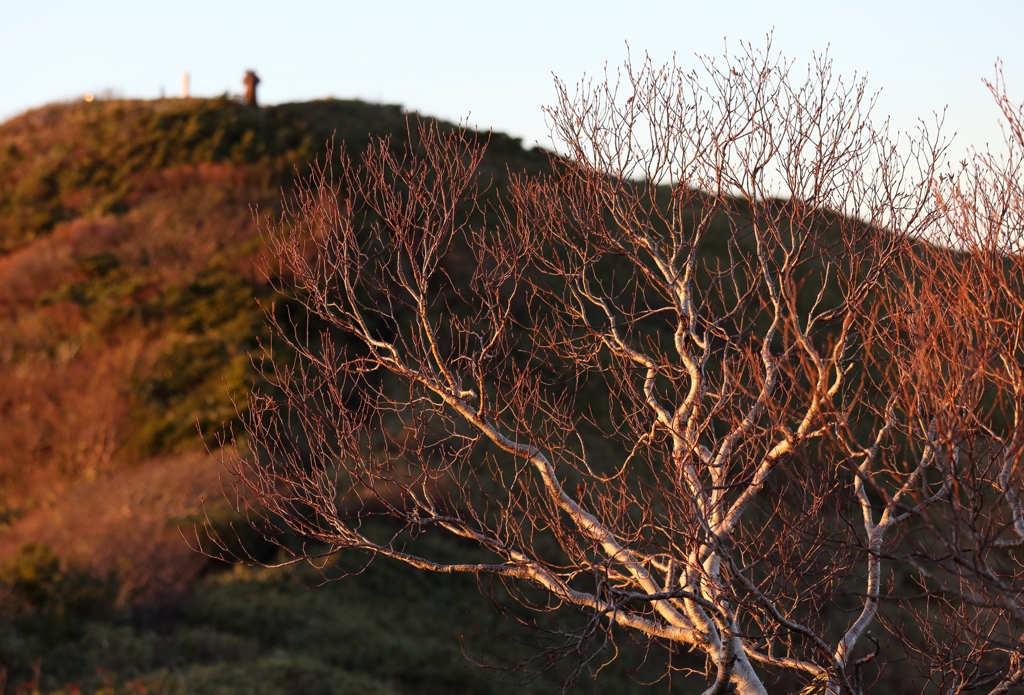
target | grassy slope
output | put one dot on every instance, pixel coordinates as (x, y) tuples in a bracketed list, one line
[(127, 286), (127, 271)]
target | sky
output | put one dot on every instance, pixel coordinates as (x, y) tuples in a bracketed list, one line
[(491, 64)]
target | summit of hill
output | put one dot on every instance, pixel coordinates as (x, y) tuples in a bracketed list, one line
[(129, 278)]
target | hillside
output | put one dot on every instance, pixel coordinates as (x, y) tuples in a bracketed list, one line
[(129, 266), (130, 269), (133, 286)]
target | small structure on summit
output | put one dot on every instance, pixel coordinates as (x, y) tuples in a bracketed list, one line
[(250, 87)]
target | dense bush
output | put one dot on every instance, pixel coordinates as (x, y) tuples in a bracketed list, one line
[(270, 631), (39, 585)]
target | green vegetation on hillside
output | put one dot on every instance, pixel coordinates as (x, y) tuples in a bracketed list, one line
[(389, 630), (84, 160), (130, 269)]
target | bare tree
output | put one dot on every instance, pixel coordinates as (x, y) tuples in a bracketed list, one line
[(955, 318), (705, 381)]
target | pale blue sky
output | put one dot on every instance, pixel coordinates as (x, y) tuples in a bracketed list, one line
[(493, 62)]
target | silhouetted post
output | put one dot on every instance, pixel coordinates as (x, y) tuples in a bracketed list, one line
[(250, 87)]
